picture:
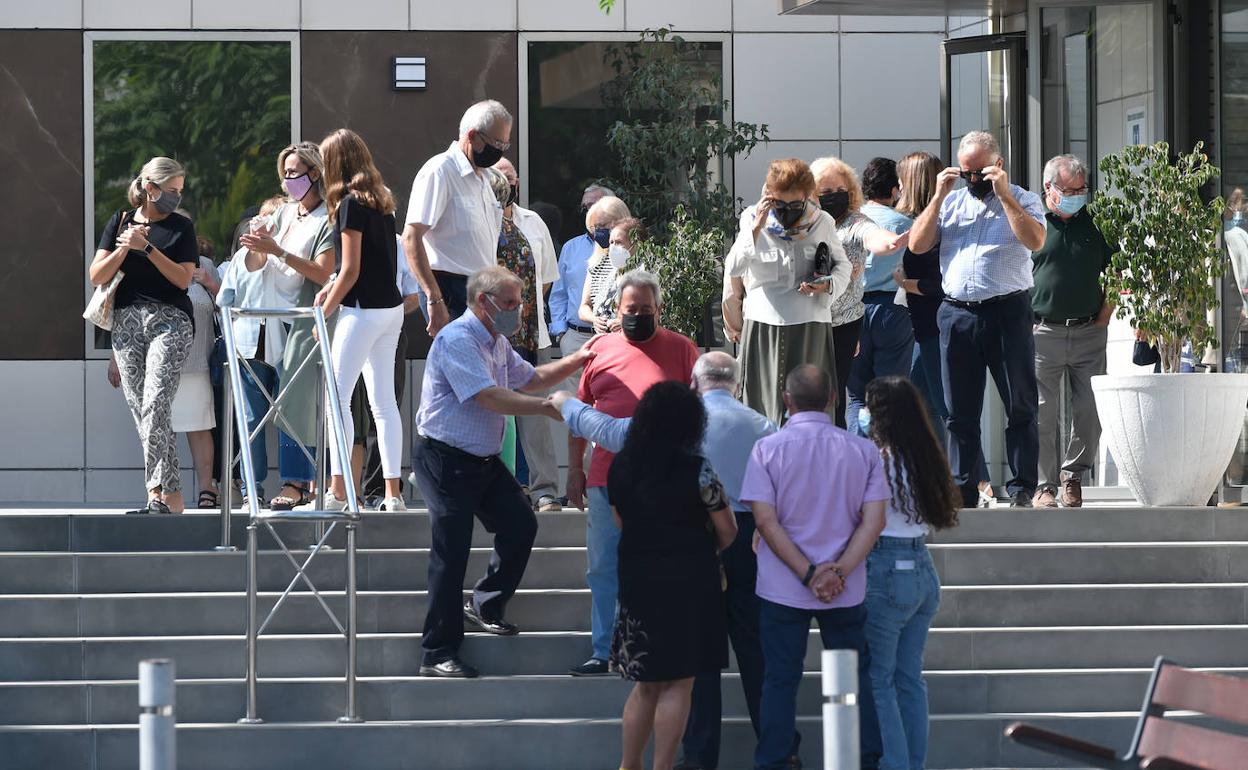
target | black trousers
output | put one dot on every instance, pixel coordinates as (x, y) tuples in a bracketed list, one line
[(458, 486), (997, 339), (454, 290), (374, 481), (845, 343), (701, 742)]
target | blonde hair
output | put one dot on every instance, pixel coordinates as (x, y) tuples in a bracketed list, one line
[(790, 174), (830, 165), (309, 154), (159, 170), (499, 184), (917, 173), (349, 168), (610, 206)]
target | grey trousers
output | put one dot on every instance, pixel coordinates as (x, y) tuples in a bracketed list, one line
[(539, 447), (1078, 353)]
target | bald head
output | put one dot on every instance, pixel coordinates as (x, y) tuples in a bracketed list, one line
[(716, 371), (808, 389), (508, 170)]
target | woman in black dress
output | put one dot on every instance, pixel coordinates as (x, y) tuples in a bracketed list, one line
[(674, 520)]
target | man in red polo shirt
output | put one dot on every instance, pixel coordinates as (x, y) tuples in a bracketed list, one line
[(626, 363)]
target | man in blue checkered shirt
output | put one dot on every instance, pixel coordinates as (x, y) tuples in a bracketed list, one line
[(986, 233), (472, 379)]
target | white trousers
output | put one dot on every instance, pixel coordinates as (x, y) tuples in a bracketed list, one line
[(365, 342)]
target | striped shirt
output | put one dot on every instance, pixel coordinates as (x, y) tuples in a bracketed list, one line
[(980, 256)]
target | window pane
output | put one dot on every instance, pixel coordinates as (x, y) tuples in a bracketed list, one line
[(1234, 76)]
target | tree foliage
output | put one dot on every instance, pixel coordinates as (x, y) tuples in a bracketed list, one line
[(220, 108), (671, 145), (1168, 239)]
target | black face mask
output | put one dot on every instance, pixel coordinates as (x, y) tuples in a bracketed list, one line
[(637, 328), (601, 236), (514, 195), (835, 203), (980, 187), (788, 218), (487, 156)]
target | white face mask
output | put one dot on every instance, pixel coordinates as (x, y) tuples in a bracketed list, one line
[(618, 255)]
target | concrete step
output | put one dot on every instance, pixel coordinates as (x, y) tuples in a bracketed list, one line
[(532, 653), (957, 741), (109, 530), (1091, 562), (535, 697), (568, 609)]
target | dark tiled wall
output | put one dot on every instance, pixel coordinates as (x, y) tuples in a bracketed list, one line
[(41, 238), (347, 81)]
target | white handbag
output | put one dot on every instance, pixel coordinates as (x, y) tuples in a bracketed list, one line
[(100, 309)]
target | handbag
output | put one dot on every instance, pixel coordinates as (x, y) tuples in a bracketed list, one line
[(100, 307)]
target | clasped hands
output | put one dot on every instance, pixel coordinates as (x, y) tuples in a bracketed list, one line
[(828, 581)]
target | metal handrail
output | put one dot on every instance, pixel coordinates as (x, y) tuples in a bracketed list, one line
[(258, 517)]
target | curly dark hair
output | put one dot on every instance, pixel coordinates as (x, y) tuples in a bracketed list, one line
[(879, 178), (669, 422), (900, 426)]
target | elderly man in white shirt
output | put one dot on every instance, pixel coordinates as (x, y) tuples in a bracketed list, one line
[(453, 218), (534, 430)]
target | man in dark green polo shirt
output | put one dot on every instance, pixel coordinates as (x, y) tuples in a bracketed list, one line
[(1072, 316)]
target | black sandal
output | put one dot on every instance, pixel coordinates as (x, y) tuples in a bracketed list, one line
[(287, 503), (153, 506), (208, 499)]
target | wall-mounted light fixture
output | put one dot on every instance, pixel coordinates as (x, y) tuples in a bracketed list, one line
[(409, 73)]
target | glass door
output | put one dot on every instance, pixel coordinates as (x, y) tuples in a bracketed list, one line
[(984, 85)]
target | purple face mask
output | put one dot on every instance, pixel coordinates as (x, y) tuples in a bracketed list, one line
[(297, 187)]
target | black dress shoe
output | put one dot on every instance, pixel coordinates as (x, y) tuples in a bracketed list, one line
[(1021, 499), (591, 667), (498, 626), (452, 668)]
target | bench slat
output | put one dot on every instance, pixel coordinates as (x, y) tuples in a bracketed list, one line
[(1193, 745), (1216, 695)]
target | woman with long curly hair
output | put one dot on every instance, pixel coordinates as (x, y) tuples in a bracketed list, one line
[(361, 209), (903, 591), (671, 622)]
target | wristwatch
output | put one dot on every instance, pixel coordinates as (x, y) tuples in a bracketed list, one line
[(148, 248)]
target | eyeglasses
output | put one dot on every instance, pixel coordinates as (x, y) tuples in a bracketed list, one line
[(778, 205), (1074, 191), (495, 143)]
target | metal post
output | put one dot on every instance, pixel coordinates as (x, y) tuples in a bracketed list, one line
[(226, 485), (240, 415), (252, 622), (351, 716), (322, 459), (840, 710), (158, 742)]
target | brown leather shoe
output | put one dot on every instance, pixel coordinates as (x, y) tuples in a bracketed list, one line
[(1072, 492), (1044, 498)]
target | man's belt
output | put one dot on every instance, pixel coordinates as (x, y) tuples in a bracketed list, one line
[(971, 305), (1087, 319), (580, 328)]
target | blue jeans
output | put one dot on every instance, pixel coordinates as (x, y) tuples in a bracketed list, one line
[(256, 406), (903, 594), (292, 463), (602, 538), (785, 632), (886, 347)]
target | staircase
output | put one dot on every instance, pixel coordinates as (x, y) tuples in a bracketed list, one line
[(1050, 616)]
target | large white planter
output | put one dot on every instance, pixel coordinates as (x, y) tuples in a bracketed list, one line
[(1172, 435)]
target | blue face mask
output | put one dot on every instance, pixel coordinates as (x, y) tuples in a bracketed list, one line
[(601, 236), (864, 421), (1070, 204)]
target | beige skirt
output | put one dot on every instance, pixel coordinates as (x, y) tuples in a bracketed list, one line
[(192, 406)]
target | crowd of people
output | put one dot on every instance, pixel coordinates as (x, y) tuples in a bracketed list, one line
[(731, 499)]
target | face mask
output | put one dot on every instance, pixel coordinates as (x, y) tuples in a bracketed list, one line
[(601, 236), (835, 203), (297, 187), (618, 255), (506, 322), (788, 218), (1070, 204), (1237, 216), (864, 421), (487, 156), (513, 196), (167, 202), (637, 328)]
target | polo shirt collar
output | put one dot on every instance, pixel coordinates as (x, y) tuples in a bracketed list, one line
[(1059, 222), (461, 160), (802, 418)]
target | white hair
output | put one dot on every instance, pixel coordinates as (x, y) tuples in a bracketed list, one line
[(641, 279), (715, 370), (490, 280), (597, 188), (483, 116), (980, 140), (1071, 164)]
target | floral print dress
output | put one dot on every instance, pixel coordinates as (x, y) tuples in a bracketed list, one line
[(515, 254)]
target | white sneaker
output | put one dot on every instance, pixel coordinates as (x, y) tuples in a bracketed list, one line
[(392, 504), (333, 504)]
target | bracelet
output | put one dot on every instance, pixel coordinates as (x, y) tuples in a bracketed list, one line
[(438, 301), (810, 573)]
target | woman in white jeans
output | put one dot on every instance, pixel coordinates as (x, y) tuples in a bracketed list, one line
[(366, 338)]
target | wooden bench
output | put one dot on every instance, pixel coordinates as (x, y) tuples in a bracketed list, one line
[(1161, 743)]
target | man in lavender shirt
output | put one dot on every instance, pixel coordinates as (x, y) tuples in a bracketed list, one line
[(818, 495)]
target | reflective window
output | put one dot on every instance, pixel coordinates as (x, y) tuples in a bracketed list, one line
[(1234, 164)]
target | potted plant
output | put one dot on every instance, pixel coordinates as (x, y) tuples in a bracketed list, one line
[(1172, 434), (688, 268)]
